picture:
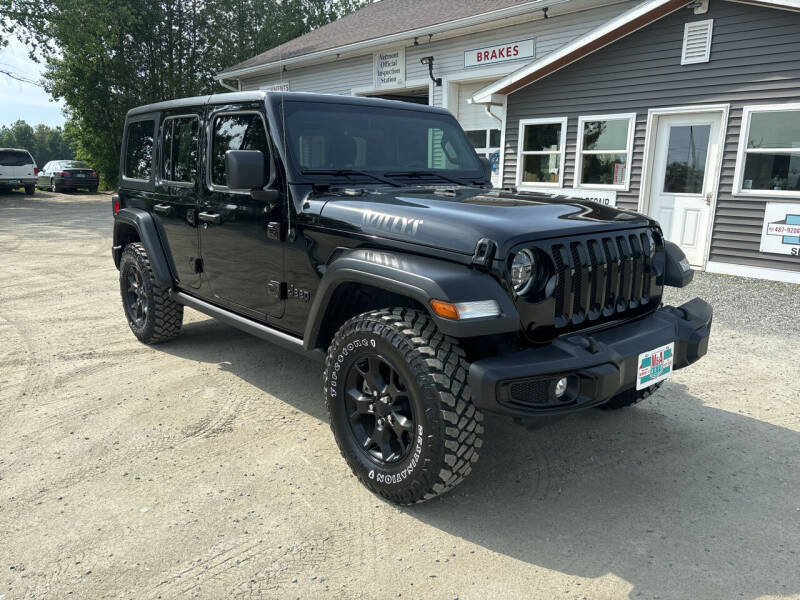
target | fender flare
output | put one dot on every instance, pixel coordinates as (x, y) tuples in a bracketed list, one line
[(144, 224), (420, 278)]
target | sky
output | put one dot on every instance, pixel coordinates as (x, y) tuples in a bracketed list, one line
[(20, 100)]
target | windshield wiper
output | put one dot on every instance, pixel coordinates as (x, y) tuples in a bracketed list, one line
[(425, 173), (348, 173)]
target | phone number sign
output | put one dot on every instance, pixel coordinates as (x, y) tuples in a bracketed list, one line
[(781, 232)]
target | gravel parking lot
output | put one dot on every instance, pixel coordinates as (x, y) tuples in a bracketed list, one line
[(205, 467)]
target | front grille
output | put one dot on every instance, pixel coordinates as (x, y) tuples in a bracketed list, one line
[(602, 276)]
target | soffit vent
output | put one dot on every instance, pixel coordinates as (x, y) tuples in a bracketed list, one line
[(697, 42)]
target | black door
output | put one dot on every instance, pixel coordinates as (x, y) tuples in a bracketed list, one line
[(242, 253), (175, 202)]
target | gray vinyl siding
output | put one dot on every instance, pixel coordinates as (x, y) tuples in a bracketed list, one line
[(341, 76), (754, 60)]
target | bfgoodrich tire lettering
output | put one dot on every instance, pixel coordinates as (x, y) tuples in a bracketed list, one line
[(447, 427), (152, 315)]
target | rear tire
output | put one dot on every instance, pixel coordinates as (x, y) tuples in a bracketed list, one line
[(55, 188), (399, 405), (630, 397), (152, 315), (93, 189), (30, 190)]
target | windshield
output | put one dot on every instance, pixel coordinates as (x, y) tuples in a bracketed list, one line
[(356, 139), (73, 164), (15, 158)]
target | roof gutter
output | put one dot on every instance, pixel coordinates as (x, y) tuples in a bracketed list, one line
[(495, 15)]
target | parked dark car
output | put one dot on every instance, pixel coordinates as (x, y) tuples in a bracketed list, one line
[(17, 170), (365, 233), (63, 175)]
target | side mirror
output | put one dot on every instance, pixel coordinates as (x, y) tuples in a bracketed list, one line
[(245, 169), (487, 164)]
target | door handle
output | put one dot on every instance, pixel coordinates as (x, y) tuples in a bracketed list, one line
[(162, 209), (207, 217)]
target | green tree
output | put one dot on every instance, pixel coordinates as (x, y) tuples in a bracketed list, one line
[(104, 58), (45, 143)]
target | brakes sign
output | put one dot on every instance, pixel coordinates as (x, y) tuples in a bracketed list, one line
[(500, 53)]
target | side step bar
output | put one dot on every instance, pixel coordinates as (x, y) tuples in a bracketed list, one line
[(259, 330)]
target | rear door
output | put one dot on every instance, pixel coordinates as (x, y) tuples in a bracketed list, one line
[(175, 201), (242, 253)]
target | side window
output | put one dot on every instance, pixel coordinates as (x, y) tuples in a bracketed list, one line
[(179, 161), (235, 132), (139, 151)]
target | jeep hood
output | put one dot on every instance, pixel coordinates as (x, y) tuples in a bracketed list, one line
[(456, 220)]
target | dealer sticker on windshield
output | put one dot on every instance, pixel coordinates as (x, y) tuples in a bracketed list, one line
[(654, 366)]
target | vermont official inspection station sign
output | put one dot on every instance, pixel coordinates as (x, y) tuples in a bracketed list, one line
[(500, 53), (389, 68)]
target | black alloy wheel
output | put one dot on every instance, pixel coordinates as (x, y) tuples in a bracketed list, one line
[(380, 410), (136, 303)]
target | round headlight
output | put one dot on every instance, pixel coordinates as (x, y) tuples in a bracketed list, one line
[(522, 271)]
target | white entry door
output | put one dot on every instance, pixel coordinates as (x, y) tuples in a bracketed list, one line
[(685, 162)]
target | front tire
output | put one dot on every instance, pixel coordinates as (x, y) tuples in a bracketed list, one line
[(399, 405), (152, 315)]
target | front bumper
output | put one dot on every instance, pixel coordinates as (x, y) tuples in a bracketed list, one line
[(598, 365)]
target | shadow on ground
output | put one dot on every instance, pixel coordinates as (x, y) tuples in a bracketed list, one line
[(671, 496)]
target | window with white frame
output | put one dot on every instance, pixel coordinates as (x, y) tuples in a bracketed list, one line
[(485, 141), (768, 163), (605, 146), (540, 158)]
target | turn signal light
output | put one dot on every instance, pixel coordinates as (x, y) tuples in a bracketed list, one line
[(115, 205), (461, 311), (35, 170)]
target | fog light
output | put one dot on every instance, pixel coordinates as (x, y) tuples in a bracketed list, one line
[(561, 387)]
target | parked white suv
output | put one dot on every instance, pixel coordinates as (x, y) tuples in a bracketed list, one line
[(17, 170)]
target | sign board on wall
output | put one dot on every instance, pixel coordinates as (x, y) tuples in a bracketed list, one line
[(781, 232), (500, 53), (278, 87), (606, 197), (389, 68)]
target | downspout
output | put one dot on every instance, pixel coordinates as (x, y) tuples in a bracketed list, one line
[(494, 116)]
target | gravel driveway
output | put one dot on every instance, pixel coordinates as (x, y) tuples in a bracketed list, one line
[(205, 467)]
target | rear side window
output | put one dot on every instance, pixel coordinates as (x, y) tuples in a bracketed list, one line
[(180, 150), (139, 151), (15, 158), (235, 132)]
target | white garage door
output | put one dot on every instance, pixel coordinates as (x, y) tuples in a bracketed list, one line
[(482, 130)]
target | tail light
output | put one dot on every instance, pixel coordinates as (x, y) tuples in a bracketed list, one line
[(116, 205), (35, 170), (94, 174), (63, 174)]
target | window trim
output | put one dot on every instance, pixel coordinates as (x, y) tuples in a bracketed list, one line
[(741, 152), (154, 118), (521, 153), (184, 184), (210, 143), (577, 184)]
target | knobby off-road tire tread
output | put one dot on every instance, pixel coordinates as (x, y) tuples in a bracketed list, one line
[(167, 314), (630, 397), (447, 366)]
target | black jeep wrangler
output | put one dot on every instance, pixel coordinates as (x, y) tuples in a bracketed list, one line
[(365, 232)]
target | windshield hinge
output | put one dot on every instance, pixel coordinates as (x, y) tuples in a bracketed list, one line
[(484, 254)]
